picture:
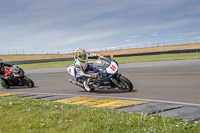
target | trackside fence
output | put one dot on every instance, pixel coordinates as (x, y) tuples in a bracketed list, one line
[(121, 55)]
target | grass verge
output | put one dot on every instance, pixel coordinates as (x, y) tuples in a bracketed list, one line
[(46, 65), (162, 57), (30, 115), (121, 60)]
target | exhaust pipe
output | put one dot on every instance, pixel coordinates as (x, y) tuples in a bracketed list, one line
[(76, 83)]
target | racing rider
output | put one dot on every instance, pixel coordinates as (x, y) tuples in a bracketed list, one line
[(82, 66), (2, 77)]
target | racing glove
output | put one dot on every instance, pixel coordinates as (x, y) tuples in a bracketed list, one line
[(94, 76)]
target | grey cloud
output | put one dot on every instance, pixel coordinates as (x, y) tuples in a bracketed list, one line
[(67, 23)]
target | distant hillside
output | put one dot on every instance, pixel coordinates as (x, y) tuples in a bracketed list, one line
[(112, 52)]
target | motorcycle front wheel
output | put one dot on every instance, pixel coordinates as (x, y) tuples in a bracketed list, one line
[(126, 84), (29, 83)]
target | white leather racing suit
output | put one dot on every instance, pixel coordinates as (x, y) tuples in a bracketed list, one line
[(81, 67)]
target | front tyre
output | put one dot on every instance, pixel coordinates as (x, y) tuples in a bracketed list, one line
[(29, 83), (125, 84)]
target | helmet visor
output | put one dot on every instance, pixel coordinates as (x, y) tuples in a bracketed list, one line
[(82, 57)]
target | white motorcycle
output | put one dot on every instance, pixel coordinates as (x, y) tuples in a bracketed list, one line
[(107, 78)]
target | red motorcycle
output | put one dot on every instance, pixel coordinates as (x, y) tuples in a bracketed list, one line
[(16, 77)]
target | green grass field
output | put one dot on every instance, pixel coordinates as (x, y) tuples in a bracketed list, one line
[(120, 60), (26, 115)]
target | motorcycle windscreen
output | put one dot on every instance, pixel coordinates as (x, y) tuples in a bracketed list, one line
[(14, 69), (101, 63)]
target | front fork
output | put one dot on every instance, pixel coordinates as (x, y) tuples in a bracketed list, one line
[(115, 80)]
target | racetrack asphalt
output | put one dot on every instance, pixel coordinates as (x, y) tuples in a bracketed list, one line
[(175, 82)]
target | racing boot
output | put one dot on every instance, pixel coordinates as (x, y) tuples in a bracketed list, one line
[(86, 86)]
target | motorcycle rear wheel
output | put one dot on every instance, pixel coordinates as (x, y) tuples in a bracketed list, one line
[(92, 88), (6, 86), (29, 83), (126, 85)]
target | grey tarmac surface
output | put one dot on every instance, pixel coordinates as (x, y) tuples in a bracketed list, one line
[(176, 81), (170, 82)]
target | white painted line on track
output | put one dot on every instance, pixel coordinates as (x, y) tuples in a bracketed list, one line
[(137, 99)]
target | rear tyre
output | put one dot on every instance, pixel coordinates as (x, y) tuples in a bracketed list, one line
[(88, 87), (6, 86), (126, 85), (92, 88), (29, 83)]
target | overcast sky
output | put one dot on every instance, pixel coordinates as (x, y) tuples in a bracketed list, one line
[(30, 26)]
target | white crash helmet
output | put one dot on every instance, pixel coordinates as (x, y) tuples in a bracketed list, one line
[(81, 54)]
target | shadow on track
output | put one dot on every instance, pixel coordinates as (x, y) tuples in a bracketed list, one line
[(19, 87), (107, 91)]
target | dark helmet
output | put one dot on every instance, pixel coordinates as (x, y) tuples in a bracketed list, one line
[(1, 64), (1, 61)]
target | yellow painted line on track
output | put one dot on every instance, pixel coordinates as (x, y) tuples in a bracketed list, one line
[(73, 100), (120, 103), (9, 94), (99, 102)]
